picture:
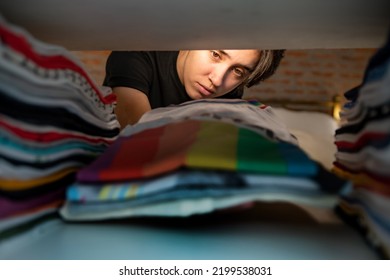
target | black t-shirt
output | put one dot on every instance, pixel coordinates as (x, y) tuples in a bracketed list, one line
[(152, 72)]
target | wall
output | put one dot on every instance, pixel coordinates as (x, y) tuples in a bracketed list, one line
[(94, 62), (304, 75), (314, 78)]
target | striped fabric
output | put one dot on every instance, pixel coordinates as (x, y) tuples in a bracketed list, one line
[(363, 153), (54, 119)]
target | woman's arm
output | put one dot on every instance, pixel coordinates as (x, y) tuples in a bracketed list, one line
[(131, 105)]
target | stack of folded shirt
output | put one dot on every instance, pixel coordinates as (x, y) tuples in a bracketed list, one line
[(363, 156), (53, 120), (195, 158)]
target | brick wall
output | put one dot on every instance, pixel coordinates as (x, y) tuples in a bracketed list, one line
[(94, 62), (315, 74), (304, 75)]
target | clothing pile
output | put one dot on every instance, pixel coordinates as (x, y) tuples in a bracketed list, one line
[(195, 158), (363, 153), (53, 120)]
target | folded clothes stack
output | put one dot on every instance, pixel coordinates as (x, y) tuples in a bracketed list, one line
[(53, 120), (195, 158), (363, 153)]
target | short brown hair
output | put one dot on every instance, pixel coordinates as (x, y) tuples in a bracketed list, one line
[(266, 67)]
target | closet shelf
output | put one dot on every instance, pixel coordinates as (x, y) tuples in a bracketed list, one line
[(202, 24)]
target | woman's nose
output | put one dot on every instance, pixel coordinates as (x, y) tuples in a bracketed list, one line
[(217, 75)]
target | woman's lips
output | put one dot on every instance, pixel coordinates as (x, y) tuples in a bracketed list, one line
[(203, 90)]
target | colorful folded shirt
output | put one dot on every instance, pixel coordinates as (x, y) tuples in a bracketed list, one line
[(196, 144)]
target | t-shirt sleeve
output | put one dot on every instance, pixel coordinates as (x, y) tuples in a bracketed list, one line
[(129, 69)]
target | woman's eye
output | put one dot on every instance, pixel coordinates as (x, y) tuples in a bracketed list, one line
[(215, 55), (238, 72)]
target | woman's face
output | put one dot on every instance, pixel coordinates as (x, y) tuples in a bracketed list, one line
[(213, 73)]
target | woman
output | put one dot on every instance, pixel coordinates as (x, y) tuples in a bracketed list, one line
[(146, 80)]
